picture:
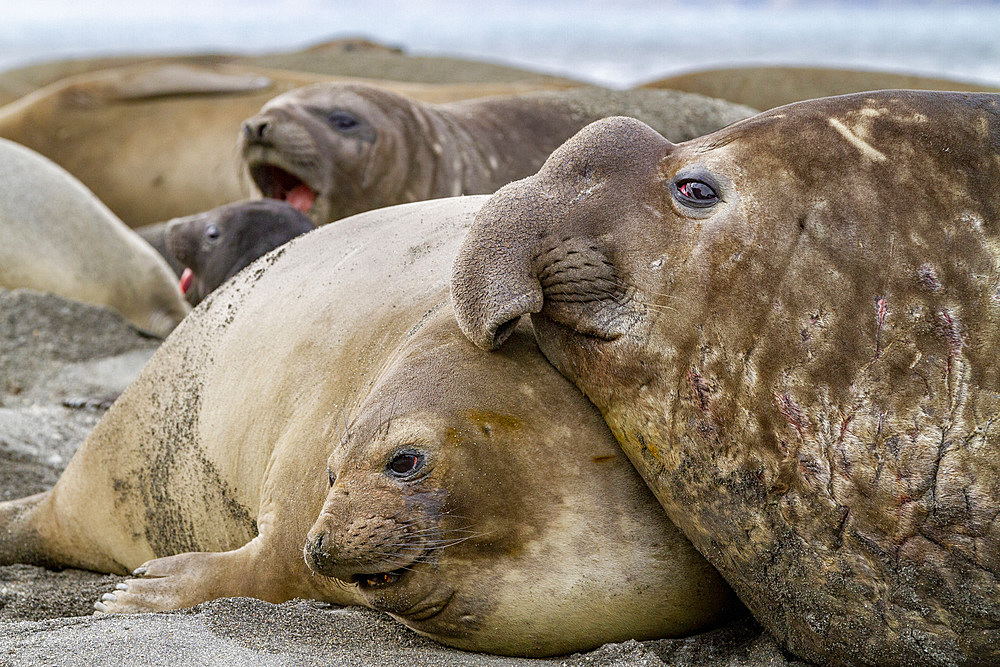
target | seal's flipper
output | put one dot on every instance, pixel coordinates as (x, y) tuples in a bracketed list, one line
[(20, 542), (187, 579)]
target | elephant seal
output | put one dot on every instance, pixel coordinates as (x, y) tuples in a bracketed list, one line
[(333, 150), (157, 141), (216, 245), (769, 87), (797, 349), (56, 236), (327, 391)]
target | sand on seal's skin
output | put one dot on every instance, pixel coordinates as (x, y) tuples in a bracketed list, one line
[(52, 350)]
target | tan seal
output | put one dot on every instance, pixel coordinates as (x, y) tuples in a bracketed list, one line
[(326, 398), (157, 141), (333, 150), (55, 236), (769, 87), (797, 347)]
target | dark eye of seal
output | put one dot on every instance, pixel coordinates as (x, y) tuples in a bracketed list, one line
[(211, 232), (341, 120), (333, 478), (405, 464), (695, 193)]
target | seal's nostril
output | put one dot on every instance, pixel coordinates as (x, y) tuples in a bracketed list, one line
[(255, 129)]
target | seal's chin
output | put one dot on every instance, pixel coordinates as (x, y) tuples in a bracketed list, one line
[(277, 183)]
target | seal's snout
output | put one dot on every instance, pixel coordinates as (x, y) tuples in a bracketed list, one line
[(256, 129)]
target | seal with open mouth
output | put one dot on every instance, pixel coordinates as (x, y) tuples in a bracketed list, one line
[(332, 150), (216, 245), (791, 326), (325, 397)]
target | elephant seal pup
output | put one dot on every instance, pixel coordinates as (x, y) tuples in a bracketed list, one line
[(333, 150), (796, 349), (56, 236), (216, 245), (157, 141), (479, 499), (769, 87)]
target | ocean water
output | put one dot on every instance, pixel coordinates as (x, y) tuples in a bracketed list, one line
[(617, 43)]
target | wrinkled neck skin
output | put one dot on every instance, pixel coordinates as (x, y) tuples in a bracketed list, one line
[(811, 388)]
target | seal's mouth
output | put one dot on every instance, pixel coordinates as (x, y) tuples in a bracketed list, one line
[(187, 277), (277, 183), (378, 580)]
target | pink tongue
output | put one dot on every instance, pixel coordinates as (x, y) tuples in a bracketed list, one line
[(186, 278), (301, 197)]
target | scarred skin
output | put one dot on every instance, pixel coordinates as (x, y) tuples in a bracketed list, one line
[(272, 415), (801, 363), (336, 149)]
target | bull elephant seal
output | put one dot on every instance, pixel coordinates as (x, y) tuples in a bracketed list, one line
[(216, 245), (797, 349), (333, 150), (296, 395), (56, 236)]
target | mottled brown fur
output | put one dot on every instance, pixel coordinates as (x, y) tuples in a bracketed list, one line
[(805, 372)]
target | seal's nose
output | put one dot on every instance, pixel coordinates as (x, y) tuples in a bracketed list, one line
[(256, 128)]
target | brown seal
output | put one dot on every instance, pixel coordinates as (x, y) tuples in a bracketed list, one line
[(55, 236), (216, 245), (797, 348), (156, 141), (333, 150), (769, 87), (327, 391)]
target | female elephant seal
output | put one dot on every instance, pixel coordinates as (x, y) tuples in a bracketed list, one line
[(216, 245), (335, 149), (327, 392), (56, 236), (795, 346)]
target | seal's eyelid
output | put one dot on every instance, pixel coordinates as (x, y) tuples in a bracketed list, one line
[(211, 232)]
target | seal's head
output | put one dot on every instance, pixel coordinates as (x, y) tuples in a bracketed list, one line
[(479, 502), (791, 326), (332, 150), (216, 245)]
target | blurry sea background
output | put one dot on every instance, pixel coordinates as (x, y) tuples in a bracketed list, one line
[(617, 43)]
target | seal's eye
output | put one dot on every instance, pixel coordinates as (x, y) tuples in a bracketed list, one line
[(211, 233), (341, 120), (405, 463), (695, 193), (333, 478)]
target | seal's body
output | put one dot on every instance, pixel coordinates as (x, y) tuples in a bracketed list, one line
[(56, 236), (324, 398), (797, 348)]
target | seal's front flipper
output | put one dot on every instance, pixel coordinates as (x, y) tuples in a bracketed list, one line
[(187, 579)]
